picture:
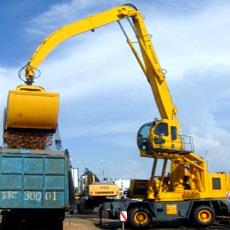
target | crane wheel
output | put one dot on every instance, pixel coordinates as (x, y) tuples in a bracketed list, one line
[(139, 217), (204, 216)]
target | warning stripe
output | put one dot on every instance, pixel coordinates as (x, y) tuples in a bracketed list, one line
[(123, 215)]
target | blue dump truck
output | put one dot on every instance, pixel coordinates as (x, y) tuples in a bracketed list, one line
[(35, 188), (35, 182)]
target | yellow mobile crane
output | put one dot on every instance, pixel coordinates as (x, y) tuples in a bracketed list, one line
[(188, 191)]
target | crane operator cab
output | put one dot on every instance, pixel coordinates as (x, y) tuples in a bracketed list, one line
[(161, 136)]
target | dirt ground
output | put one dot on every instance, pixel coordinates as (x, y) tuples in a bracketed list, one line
[(91, 222)]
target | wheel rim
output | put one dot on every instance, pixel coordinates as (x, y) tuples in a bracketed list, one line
[(204, 216), (141, 217)]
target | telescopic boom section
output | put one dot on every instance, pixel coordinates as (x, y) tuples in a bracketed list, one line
[(151, 64)]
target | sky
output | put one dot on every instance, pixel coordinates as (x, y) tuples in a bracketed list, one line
[(105, 97)]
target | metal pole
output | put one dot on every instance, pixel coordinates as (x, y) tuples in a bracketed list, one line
[(163, 170), (154, 168), (69, 216)]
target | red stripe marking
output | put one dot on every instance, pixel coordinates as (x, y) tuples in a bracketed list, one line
[(123, 215)]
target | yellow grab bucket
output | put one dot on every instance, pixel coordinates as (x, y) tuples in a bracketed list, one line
[(32, 107)]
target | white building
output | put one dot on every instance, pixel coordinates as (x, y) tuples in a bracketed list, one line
[(123, 185)]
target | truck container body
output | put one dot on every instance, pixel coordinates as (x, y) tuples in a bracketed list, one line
[(34, 179)]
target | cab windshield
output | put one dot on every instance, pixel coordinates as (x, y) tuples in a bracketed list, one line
[(143, 137), (144, 130)]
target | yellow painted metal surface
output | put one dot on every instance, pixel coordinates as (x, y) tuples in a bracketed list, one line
[(32, 107), (171, 209), (103, 189)]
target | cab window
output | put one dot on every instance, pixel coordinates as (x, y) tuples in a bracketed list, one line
[(216, 184), (162, 129), (173, 133), (144, 131)]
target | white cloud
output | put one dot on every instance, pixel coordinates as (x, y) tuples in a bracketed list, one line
[(92, 65), (195, 41), (102, 129), (60, 14), (216, 145), (183, 43), (204, 110)]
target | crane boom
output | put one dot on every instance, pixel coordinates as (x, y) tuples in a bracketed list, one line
[(152, 67)]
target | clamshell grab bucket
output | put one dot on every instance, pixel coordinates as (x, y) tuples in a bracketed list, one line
[(31, 107)]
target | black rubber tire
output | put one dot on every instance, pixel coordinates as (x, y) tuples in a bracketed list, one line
[(141, 213), (204, 216)]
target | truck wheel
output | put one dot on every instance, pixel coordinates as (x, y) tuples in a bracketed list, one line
[(139, 217), (204, 216)]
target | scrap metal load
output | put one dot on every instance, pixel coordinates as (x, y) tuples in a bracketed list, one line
[(31, 118)]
